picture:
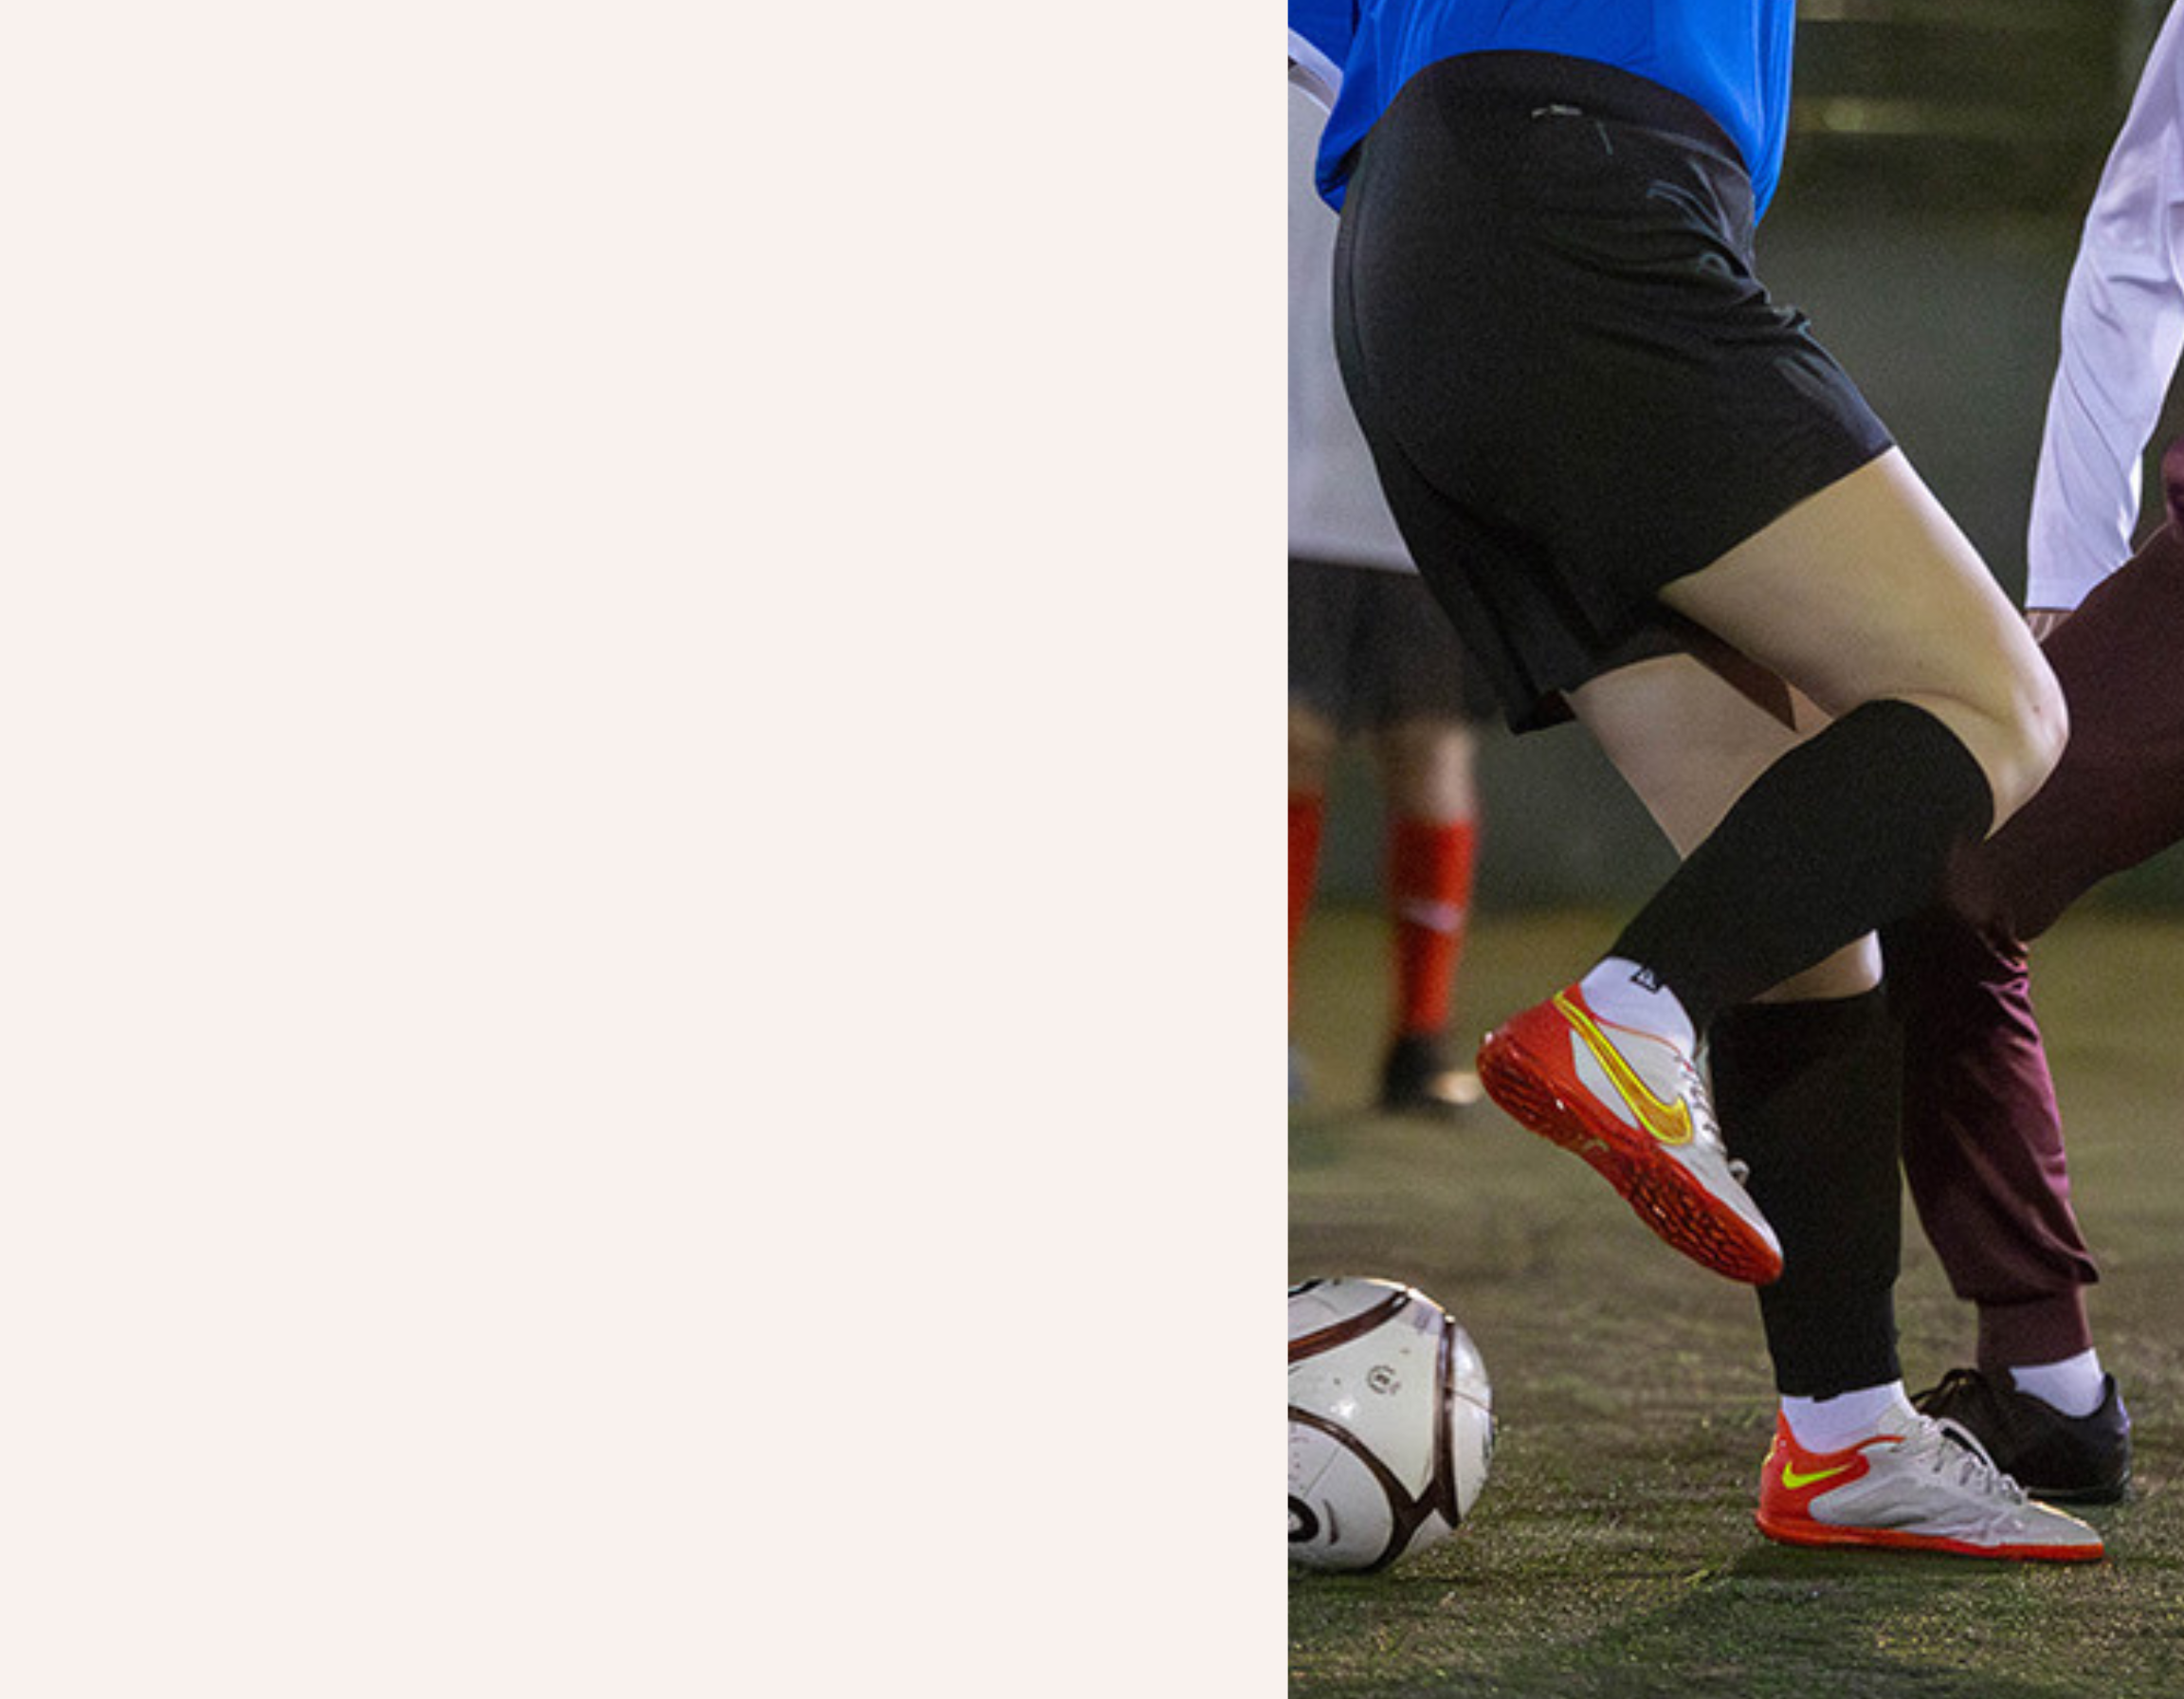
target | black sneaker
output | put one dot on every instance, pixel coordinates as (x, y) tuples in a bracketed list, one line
[(2070, 1459), (1418, 1079)]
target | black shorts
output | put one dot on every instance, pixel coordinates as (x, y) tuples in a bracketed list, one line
[(1574, 387), (1370, 648)]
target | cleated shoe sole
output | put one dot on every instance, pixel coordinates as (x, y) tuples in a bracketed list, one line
[(1666, 1162)]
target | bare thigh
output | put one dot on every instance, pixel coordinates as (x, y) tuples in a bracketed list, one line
[(1429, 768), (1687, 743), (1868, 590)]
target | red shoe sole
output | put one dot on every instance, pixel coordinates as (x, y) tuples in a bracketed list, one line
[(1806, 1532), (1680, 1209)]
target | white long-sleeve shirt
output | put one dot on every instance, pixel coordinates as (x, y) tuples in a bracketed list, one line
[(2123, 334), (1336, 511)]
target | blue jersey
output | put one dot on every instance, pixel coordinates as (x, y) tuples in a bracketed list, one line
[(1732, 57)]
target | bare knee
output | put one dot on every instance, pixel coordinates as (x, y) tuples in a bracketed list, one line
[(2047, 734), (2017, 735), (1427, 766), (1313, 740)]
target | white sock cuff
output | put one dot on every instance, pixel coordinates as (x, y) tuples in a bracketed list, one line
[(2075, 1385), (1627, 994), (1831, 1423)]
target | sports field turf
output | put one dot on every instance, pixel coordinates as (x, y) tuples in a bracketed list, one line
[(1613, 1551)]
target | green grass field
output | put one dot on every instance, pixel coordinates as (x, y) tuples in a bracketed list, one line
[(1612, 1552)]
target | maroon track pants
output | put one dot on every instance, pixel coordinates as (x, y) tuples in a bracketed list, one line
[(1982, 1136)]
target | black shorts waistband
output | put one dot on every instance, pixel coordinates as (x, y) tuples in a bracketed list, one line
[(1520, 78)]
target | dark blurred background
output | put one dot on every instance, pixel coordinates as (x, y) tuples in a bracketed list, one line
[(1941, 157)]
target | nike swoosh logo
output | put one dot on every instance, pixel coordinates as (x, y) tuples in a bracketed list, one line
[(1668, 1123), (1797, 1480)]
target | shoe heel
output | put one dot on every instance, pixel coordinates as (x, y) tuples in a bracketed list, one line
[(1513, 1084)]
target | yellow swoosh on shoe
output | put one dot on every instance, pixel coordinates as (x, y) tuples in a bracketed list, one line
[(1797, 1480), (1668, 1123)]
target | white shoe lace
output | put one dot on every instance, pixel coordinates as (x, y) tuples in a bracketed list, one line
[(1950, 1451), (1707, 1124)]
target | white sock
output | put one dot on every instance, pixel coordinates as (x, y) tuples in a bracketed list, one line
[(1831, 1423), (2075, 1386), (1629, 995)]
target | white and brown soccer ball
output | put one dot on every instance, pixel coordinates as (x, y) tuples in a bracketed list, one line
[(1390, 1423)]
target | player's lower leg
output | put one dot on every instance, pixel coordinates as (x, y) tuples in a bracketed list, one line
[(1430, 878), (1984, 1155), (1849, 828), (1307, 824), (1811, 1088)]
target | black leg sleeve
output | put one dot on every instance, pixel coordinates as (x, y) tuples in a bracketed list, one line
[(1807, 1096), (1848, 832)]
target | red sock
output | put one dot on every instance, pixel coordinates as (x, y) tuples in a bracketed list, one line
[(1429, 899), (1307, 814)]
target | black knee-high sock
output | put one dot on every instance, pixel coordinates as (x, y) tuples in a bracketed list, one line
[(1845, 832), (1808, 1094)]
